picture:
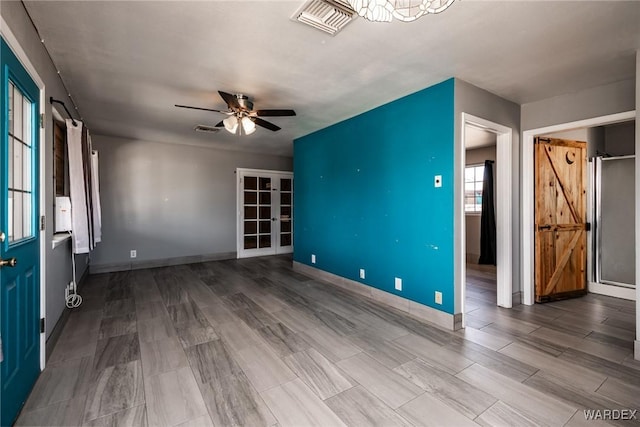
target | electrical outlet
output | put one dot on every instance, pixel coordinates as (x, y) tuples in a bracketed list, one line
[(437, 181), (398, 284), (313, 258), (362, 273), (438, 297), (134, 253)]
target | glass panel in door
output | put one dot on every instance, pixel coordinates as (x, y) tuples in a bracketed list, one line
[(250, 207), (286, 206), (264, 209)]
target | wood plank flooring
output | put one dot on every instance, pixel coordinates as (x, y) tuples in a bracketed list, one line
[(253, 343)]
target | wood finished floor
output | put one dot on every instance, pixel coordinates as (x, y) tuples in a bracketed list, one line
[(252, 343)]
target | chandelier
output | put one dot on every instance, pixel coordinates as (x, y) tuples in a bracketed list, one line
[(402, 10)]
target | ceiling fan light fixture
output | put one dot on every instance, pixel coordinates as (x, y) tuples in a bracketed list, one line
[(231, 124), (402, 10), (248, 126)]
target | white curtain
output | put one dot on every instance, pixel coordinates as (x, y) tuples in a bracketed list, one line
[(95, 192), (79, 217)]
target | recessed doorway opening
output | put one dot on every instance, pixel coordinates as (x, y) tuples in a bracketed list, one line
[(590, 129), (502, 135)]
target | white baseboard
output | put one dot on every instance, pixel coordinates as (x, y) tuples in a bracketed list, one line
[(165, 262), (636, 354), (422, 312), (612, 291)]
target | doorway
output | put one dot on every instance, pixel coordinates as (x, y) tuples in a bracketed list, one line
[(504, 209), (480, 236), (265, 212), (528, 201)]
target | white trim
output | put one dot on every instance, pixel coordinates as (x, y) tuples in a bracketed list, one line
[(31, 70), (613, 291), (527, 219), (504, 209)]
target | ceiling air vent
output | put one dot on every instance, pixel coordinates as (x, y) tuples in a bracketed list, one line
[(330, 16), (206, 129)]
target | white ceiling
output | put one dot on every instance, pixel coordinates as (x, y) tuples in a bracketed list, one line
[(478, 138), (127, 63)]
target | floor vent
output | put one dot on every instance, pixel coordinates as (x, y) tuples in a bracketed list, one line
[(330, 16), (206, 129)]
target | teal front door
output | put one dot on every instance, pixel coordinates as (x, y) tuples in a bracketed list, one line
[(19, 236)]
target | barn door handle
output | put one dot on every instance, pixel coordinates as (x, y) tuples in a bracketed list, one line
[(11, 262), (544, 227)]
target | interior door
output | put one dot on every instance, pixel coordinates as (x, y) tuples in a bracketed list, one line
[(560, 218), (19, 236), (265, 207)]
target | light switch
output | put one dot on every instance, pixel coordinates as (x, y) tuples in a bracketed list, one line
[(437, 181)]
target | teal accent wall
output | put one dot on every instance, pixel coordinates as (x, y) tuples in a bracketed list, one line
[(365, 196)]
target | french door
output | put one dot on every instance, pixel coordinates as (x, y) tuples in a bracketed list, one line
[(265, 212), (19, 235)]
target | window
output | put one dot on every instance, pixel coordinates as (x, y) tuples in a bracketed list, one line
[(21, 159), (60, 165), (473, 180)]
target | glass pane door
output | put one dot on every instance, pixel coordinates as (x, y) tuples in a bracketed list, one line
[(286, 209), (265, 212), (250, 206), (264, 208), (20, 247)]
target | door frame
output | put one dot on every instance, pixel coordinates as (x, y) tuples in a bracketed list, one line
[(239, 207), (528, 203), (504, 212), (28, 66)]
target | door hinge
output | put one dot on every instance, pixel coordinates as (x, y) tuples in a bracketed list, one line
[(42, 325), (41, 120), (42, 223)]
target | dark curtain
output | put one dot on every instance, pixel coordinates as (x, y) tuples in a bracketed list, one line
[(488, 218)]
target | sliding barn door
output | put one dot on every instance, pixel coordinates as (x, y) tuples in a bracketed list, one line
[(560, 216)]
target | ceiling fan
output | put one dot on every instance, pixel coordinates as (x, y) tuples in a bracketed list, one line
[(242, 117)]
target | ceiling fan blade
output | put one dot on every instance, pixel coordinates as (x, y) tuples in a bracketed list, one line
[(264, 124), (220, 124), (275, 113), (231, 100), (199, 108)]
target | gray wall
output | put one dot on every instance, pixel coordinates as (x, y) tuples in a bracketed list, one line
[(620, 139), (595, 102), (168, 201), (58, 260), (478, 102), (472, 228)]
